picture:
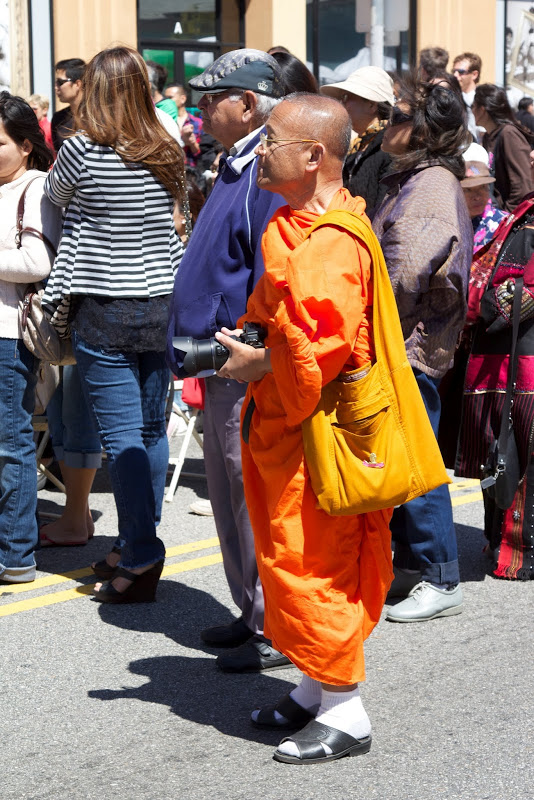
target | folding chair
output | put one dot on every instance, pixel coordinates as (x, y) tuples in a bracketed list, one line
[(189, 417), (40, 425)]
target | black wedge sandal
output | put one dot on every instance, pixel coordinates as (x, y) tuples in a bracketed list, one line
[(103, 570), (142, 588)]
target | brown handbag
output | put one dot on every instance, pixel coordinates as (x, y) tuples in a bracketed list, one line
[(38, 334)]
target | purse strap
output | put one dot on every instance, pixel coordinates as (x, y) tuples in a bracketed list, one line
[(388, 339), (512, 371), (34, 231)]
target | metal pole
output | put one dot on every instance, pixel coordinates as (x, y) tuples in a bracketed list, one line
[(377, 33)]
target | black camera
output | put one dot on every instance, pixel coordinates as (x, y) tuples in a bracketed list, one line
[(201, 354)]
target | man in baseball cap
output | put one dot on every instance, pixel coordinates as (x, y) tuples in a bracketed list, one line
[(221, 266), (367, 94), (241, 69)]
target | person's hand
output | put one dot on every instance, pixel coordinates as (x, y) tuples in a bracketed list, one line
[(188, 137), (245, 363)]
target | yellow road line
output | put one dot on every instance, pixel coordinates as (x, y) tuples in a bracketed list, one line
[(464, 484), (64, 577), (466, 498), (79, 591)]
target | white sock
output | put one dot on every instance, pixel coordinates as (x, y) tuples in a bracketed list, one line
[(341, 710), (307, 694)]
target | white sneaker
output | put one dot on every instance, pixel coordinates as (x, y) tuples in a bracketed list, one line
[(427, 601), (202, 507)]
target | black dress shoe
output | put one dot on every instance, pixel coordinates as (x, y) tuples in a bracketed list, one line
[(254, 656), (232, 635)]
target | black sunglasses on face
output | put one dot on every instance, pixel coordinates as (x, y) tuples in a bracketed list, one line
[(398, 117)]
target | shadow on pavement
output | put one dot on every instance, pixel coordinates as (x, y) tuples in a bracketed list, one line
[(192, 686), (474, 563), (195, 690)]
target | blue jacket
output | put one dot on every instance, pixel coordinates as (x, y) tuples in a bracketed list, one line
[(222, 262)]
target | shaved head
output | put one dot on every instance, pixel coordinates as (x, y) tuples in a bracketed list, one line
[(323, 118), (302, 154)]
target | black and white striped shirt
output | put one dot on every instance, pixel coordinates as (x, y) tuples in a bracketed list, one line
[(118, 234)]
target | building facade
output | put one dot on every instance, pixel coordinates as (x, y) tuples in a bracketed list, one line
[(187, 35)]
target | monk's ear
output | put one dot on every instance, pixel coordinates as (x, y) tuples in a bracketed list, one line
[(316, 156)]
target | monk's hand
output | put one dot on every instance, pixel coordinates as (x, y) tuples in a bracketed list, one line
[(245, 363)]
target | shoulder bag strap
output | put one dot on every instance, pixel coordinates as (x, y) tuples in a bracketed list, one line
[(501, 444), (34, 231), (388, 339), (512, 373)]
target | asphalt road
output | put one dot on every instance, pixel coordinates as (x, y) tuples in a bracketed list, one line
[(103, 702)]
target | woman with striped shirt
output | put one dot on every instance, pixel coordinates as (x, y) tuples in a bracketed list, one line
[(118, 178)]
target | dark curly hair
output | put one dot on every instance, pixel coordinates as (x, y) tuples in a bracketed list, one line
[(439, 129), (21, 125)]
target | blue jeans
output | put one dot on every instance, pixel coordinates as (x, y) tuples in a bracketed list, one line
[(74, 435), (18, 470), (126, 393), (423, 529)]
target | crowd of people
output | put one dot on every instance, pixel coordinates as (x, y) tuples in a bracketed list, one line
[(149, 219)]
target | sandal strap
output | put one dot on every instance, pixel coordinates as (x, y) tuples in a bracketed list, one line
[(125, 573), (308, 740), (288, 709)]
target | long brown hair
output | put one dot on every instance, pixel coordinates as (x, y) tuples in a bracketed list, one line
[(117, 110)]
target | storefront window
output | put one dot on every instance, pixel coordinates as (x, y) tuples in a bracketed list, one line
[(186, 36), (335, 48), (177, 19)]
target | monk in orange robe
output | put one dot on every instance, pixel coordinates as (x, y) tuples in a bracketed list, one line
[(325, 578)]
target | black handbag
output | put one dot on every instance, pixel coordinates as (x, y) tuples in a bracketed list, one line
[(502, 469)]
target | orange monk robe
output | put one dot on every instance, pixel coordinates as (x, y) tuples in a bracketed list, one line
[(325, 578)]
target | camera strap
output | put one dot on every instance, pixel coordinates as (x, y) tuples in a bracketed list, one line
[(247, 418)]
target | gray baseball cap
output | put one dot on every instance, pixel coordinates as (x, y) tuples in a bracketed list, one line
[(241, 69)]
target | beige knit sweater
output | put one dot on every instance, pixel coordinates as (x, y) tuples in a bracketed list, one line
[(33, 260)]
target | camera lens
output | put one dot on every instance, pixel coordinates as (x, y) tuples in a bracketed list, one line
[(201, 354)]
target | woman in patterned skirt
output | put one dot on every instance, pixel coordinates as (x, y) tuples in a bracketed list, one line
[(496, 267)]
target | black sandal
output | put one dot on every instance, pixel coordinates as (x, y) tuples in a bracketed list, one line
[(103, 570), (294, 715), (309, 739), (142, 588)]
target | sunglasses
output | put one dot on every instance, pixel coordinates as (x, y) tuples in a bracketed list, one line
[(399, 117), (60, 81), (461, 71)]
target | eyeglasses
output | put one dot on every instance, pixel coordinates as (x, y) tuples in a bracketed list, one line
[(60, 81), (461, 71), (399, 117), (210, 97), (264, 140)]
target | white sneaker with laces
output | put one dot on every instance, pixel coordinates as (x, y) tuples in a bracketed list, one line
[(201, 507), (427, 601)]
